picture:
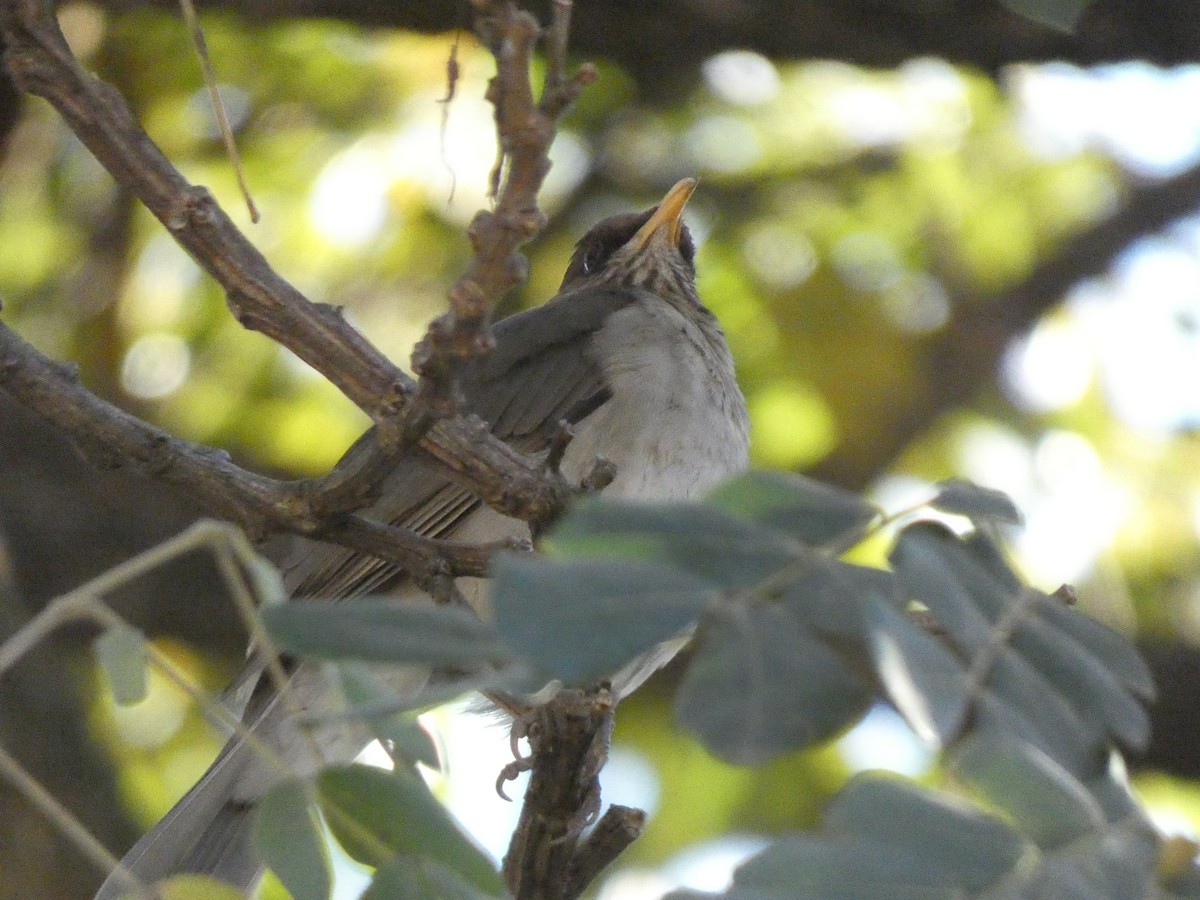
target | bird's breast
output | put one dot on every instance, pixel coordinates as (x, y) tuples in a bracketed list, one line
[(676, 421)]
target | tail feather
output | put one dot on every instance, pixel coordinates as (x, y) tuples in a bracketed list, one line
[(207, 832)]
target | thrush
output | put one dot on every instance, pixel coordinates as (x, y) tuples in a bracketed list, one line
[(625, 353)]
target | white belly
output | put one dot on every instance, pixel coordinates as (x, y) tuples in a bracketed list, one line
[(676, 424)]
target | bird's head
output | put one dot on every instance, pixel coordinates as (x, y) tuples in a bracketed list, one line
[(651, 250)]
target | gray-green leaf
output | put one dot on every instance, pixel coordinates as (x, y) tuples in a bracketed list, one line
[(585, 618), (965, 498), (759, 685), (700, 540), (925, 681), (288, 836), (973, 849), (377, 815), (794, 505), (366, 693), (121, 653), (384, 631), (1041, 798)]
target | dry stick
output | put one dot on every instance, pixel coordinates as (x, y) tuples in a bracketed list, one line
[(218, 105), (619, 827), (568, 739), (525, 130)]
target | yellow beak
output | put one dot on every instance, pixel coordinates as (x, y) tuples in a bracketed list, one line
[(669, 215)]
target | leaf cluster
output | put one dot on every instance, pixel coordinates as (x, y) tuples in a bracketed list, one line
[(1029, 698)]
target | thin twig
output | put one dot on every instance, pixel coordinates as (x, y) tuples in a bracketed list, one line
[(218, 105), (453, 73), (85, 603), (525, 130), (16, 775)]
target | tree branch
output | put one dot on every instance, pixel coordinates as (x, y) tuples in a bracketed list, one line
[(663, 44), (526, 131), (568, 739), (111, 437), (41, 63)]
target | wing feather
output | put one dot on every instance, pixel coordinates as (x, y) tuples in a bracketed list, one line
[(540, 373)]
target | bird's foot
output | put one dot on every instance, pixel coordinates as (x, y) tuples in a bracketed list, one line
[(520, 729)]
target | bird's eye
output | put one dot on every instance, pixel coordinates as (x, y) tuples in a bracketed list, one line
[(594, 258)]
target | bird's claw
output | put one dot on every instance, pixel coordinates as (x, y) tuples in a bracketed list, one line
[(520, 763)]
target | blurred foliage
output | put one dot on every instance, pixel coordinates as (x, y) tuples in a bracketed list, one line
[(787, 793), (843, 216)]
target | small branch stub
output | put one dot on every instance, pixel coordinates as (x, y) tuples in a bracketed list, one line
[(568, 739)]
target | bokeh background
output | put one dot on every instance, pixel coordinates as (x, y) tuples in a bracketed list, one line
[(930, 258)]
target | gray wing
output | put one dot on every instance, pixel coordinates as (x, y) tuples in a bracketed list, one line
[(208, 830), (540, 373)]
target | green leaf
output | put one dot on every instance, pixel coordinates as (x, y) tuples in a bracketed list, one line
[(1044, 802), (949, 560), (195, 887), (996, 720), (847, 868), (384, 631), (1115, 863), (990, 556), (1069, 696), (758, 685), (973, 849), (266, 581), (921, 560), (365, 691), (828, 597), (121, 653), (938, 570), (965, 498), (288, 836), (410, 878), (377, 815), (1114, 650), (552, 611), (1061, 731), (925, 681), (1083, 680), (799, 507), (696, 539), (1062, 15)]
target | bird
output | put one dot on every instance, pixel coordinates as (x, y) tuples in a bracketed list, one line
[(630, 358)]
